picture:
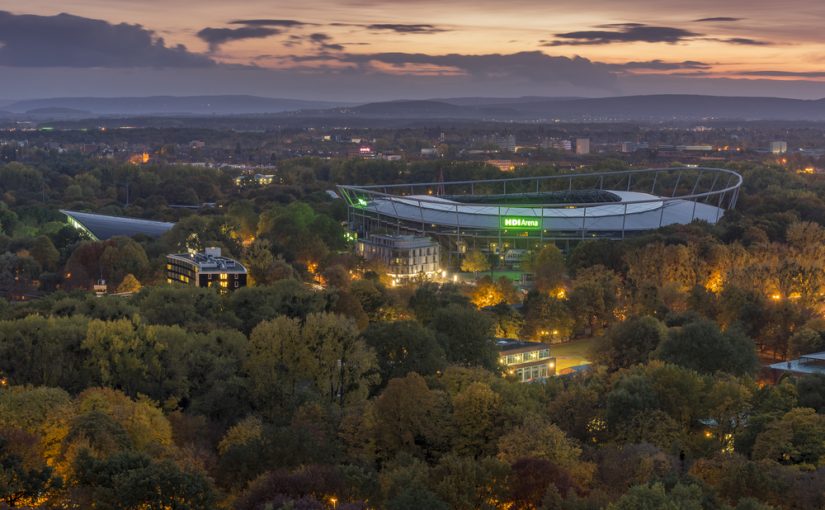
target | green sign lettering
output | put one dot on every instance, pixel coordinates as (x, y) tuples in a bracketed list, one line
[(520, 223)]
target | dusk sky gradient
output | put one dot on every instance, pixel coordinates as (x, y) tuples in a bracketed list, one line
[(362, 50)]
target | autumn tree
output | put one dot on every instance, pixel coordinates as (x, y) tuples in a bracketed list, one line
[(475, 262)]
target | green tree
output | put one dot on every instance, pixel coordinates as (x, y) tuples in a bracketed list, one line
[(134, 481), (275, 361), (410, 418), (43, 251), (654, 497), (548, 267), (701, 346), (342, 366), (797, 438), (404, 346), (466, 336), (630, 342), (478, 418), (44, 351), (467, 483)]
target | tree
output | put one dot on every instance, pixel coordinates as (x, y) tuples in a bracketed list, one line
[(811, 390), (797, 438), (402, 347), (416, 498), (546, 318), (486, 293), (289, 297), (133, 481), (129, 285), (478, 419), (531, 481), (702, 347), (654, 497), (410, 418), (630, 342), (466, 483), (342, 366), (538, 439), (43, 251), (44, 352), (25, 479), (475, 262), (264, 267), (594, 298), (466, 336), (548, 267), (275, 359)]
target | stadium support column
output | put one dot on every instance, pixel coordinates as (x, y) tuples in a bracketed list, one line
[(676, 186), (624, 219), (499, 228)]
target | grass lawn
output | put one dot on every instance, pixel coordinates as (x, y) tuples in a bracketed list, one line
[(571, 354)]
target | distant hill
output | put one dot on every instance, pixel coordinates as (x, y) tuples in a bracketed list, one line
[(651, 107), (627, 108), (57, 112), (427, 109), (171, 105)]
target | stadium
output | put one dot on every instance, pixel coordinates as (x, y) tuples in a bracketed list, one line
[(513, 215)]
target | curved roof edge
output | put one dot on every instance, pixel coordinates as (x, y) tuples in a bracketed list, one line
[(101, 227)]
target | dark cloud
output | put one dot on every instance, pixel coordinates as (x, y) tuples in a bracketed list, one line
[(407, 29), (744, 41), (637, 32), (785, 74), (286, 23), (324, 42), (529, 66), (661, 65), (218, 36), (64, 40), (626, 32), (718, 19)]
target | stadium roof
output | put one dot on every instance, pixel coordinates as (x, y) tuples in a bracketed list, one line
[(102, 227)]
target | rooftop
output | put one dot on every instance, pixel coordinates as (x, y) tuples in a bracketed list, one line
[(806, 364), (211, 261), (102, 227), (511, 344)]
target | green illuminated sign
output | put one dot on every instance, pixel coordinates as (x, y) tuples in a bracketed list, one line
[(520, 223)]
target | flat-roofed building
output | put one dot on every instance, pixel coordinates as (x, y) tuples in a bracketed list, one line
[(806, 364), (527, 361), (406, 256), (779, 147), (206, 269)]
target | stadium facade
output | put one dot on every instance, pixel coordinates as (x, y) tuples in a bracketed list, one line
[(516, 215)]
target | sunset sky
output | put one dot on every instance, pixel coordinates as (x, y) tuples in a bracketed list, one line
[(363, 50)]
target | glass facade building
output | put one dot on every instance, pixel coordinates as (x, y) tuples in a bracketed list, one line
[(208, 269)]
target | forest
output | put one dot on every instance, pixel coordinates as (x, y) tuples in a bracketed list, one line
[(324, 386)]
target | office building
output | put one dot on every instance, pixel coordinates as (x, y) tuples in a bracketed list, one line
[(406, 256), (526, 361), (582, 145), (779, 147), (206, 269)]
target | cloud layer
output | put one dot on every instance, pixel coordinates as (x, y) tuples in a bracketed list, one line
[(72, 41)]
